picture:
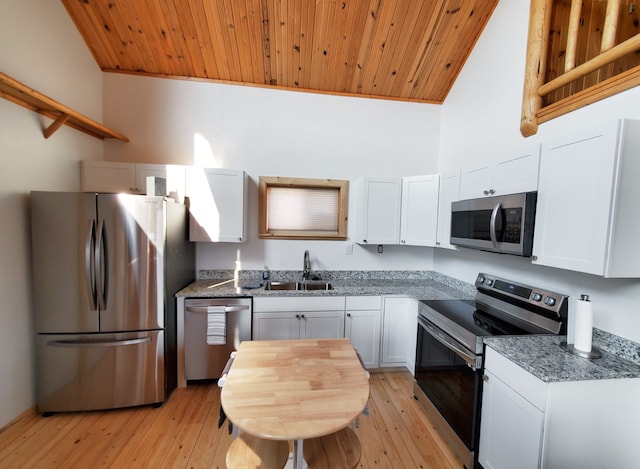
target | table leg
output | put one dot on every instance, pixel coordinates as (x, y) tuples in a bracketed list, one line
[(298, 459)]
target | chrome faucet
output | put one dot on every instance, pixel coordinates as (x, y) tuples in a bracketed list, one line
[(306, 267)]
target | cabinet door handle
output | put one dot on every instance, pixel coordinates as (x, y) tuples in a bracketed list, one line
[(485, 378), (348, 315)]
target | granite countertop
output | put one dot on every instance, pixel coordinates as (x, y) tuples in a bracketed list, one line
[(420, 285), (540, 355), (543, 357)]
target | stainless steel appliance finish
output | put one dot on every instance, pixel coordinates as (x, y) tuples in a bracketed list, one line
[(204, 361), (449, 355), (502, 224), (105, 269)]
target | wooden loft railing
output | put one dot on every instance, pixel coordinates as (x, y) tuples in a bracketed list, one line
[(21, 94), (570, 63)]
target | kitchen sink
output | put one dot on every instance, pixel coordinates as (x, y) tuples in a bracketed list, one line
[(313, 285)]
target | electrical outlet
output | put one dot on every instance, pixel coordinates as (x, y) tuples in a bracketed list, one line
[(349, 249)]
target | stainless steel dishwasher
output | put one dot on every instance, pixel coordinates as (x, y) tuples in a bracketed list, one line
[(204, 360)]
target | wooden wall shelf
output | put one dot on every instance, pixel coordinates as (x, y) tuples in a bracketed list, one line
[(21, 94)]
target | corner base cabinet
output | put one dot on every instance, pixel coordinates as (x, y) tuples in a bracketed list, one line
[(362, 327), (399, 332), (527, 423)]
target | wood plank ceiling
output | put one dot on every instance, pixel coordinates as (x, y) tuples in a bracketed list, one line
[(395, 49)]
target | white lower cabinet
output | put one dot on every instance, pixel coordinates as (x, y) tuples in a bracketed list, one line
[(399, 329), (527, 423), (362, 327), (511, 427), (277, 318), (383, 329)]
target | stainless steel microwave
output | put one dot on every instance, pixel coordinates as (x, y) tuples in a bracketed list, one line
[(501, 224)]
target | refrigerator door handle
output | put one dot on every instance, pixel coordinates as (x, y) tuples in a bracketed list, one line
[(97, 343), (89, 264), (102, 267)]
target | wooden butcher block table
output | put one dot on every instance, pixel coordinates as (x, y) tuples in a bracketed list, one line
[(295, 389)]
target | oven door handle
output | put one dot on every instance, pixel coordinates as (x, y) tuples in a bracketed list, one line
[(462, 353)]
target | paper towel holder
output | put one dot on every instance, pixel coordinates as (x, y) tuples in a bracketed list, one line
[(592, 355)]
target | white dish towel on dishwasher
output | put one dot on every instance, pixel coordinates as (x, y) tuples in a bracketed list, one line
[(216, 325)]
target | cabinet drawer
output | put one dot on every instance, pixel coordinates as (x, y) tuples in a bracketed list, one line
[(363, 302), (517, 378), (298, 303)]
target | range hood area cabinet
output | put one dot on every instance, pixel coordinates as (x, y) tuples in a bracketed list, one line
[(587, 217), (217, 204), (449, 192), (512, 173), (396, 210)]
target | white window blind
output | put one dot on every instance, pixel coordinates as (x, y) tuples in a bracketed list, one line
[(302, 209)]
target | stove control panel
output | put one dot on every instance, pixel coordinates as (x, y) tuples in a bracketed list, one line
[(548, 300)]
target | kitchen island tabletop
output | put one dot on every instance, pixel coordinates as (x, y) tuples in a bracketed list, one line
[(295, 389)]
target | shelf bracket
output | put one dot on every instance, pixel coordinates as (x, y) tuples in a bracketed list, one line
[(59, 122)]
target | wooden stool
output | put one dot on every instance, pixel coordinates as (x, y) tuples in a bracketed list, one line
[(250, 452), (337, 450)]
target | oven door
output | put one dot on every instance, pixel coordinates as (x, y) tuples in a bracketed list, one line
[(451, 378)]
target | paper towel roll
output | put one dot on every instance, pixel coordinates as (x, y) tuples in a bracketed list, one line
[(571, 323), (583, 328)]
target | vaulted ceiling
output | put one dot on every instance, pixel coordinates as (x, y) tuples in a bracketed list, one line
[(395, 49)]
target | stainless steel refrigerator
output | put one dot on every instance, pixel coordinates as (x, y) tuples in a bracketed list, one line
[(106, 268)]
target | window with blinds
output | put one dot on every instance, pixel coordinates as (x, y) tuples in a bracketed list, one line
[(298, 208)]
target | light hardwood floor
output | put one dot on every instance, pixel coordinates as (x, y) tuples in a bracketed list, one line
[(183, 433)]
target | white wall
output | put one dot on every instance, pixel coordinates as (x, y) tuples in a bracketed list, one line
[(42, 49), (480, 117), (276, 133)]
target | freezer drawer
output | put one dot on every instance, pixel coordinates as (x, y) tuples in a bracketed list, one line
[(204, 361), (99, 371)]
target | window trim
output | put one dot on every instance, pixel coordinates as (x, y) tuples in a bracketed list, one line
[(303, 183)]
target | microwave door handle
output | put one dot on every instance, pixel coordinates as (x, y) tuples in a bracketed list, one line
[(492, 224)]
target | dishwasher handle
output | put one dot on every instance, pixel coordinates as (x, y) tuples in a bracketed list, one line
[(213, 309)]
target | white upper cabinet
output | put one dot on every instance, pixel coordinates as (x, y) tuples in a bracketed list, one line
[(513, 173), (114, 177), (217, 204), (587, 213), (419, 213), (103, 176), (379, 202), (449, 192), (397, 210)]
